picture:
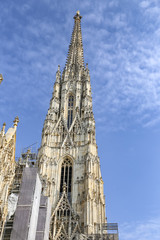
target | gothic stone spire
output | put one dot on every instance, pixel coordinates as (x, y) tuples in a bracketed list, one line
[(68, 153), (75, 54)]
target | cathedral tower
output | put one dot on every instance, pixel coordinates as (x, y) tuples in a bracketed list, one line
[(68, 160)]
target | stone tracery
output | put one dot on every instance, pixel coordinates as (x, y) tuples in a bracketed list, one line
[(64, 220)]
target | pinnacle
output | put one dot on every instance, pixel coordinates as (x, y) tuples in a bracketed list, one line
[(75, 53), (16, 121)]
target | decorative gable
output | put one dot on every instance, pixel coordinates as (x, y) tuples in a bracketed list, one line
[(64, 220)]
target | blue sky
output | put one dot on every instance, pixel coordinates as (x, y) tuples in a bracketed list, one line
[(122, 47)]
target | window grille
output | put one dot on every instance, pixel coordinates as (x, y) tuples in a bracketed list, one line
[(66, 177)]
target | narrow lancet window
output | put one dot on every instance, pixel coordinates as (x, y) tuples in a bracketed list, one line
[(70, 110), (66, 177)]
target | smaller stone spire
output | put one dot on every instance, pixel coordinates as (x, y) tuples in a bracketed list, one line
[(3, 129), (87, 67), (58, 75), (4, 124)]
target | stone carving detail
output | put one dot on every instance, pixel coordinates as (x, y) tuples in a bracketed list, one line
[(12, 204)]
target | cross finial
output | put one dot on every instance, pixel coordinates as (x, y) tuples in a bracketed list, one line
[(77, 16)]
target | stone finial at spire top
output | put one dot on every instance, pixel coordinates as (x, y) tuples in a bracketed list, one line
[(78, 12), (1, 78), (3, 128), (16, 121), (77, 16), (58, 70)]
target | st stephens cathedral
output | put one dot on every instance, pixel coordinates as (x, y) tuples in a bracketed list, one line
[(58, 193)]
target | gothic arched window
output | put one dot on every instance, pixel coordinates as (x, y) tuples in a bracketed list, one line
[(70, 110), (66, 177)]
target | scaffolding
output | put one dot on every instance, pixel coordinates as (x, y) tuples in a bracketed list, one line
[(109, 232), (28, 158)]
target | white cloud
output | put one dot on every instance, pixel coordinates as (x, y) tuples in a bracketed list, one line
[(147, 230), (113, 3), (144, 4)]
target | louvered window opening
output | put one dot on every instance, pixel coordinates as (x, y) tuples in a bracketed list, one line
[(66, 177), (70, 111)]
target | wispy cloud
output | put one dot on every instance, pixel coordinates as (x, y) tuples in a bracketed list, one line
[(121, 46), (125, 65), (140, 230)]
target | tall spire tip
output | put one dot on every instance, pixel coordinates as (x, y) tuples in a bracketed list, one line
[(77, 16)]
